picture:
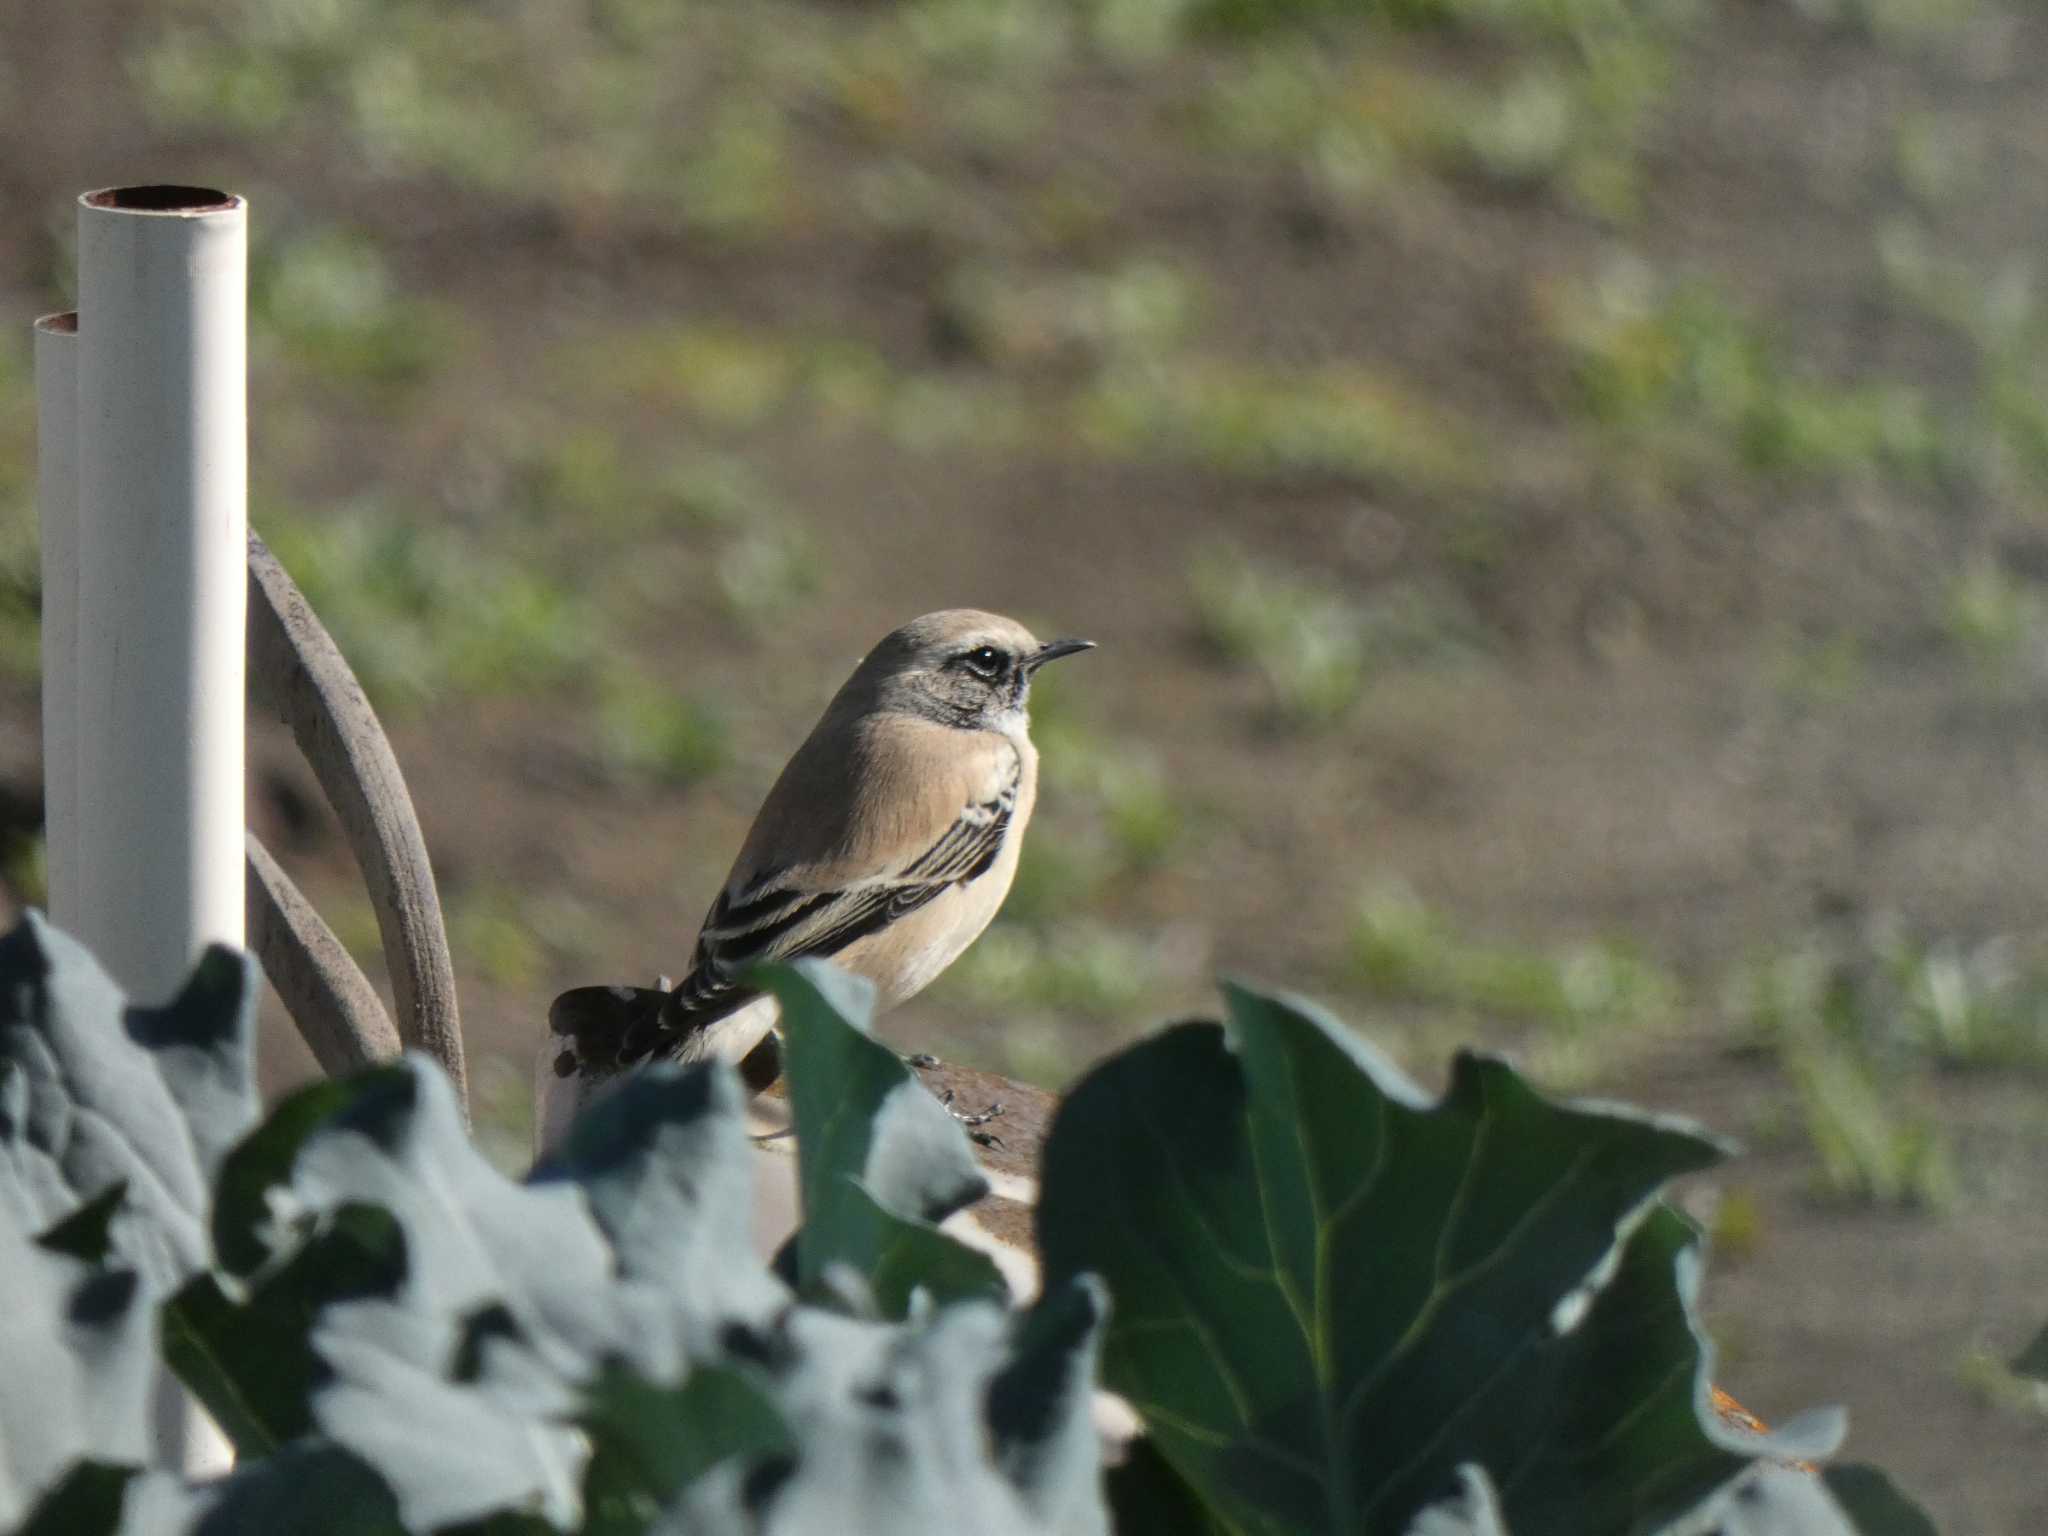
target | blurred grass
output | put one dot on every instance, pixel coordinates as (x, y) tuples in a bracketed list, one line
[(1677, 374), (20, 561), (1576, 1012), (1402, 949), (25, 870), (1859, 1013), (1336, 421), (1993, 1382), (1869, 1149), (1899, 998), (1316, 648), (653, 732), (326, 300), (420, 611)]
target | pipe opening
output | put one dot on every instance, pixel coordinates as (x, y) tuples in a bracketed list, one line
[(65, 324), (162, 199)]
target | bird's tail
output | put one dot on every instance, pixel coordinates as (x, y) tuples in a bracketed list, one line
[(601, 1030)]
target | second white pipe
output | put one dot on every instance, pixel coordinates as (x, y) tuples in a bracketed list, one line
[(57, 534)]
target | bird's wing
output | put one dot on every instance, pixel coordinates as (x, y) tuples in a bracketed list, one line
[(816, 908), (787, 916)]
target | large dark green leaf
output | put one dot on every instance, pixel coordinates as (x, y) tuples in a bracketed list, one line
[(1147, 1497), (879, 1160), (86, 1501), (1474, 1510), (1332, 1293)]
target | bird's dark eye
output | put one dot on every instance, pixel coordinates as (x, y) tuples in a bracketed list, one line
[(983, 661)]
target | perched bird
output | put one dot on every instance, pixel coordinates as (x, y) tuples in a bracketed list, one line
[(886, 845)]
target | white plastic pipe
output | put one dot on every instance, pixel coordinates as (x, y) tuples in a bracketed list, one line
[(57, 532), (162, 454), (163, 535)]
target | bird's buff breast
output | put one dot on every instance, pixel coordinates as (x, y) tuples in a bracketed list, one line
[(907, 956)]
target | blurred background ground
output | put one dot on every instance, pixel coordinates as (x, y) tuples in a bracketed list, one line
[(1561, 487)]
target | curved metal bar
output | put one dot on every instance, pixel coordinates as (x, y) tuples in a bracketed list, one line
[(324, 990), (296, 671)]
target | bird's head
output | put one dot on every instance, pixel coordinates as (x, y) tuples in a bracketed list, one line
[(961, 667)]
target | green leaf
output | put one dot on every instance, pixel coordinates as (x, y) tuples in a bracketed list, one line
[(508, 1300), (667, 1167), (243, 1236), (251, 1362), (308, 1489), (86, 1501), (112, 1119), (1474, 1510), (400, 1339), (87, 1233), (1333, 1293), (75, 1343), (652, 1442), (880, 1162), (892, 1429), (1147, 1497), (897, 1256), (1779, 1499), (96, 1094), (1041, 1407), (1874, 1504)]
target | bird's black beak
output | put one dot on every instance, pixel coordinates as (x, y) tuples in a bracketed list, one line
[(1053, 650)]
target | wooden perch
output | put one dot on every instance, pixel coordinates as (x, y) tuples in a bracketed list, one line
[(324, 990), (297, 672)]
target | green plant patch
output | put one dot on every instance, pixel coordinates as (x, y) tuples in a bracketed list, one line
[(1681, 373), (1062, 967), (419, 611), (328, 306), (1338, 1306), (1401, 948), (1336, 422), (1316, 647), (1869, 1148), (650, 732)]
